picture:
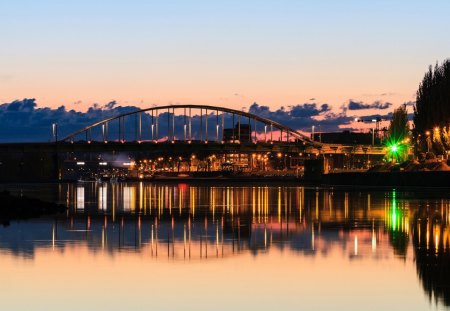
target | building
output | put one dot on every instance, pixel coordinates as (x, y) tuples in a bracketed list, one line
[(240, 132)]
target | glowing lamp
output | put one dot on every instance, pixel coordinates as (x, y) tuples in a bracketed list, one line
[(394, 148)]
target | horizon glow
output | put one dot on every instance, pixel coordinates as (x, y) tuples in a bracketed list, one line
[(275, 53)]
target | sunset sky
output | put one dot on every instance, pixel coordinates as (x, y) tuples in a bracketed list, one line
[(225, 53)]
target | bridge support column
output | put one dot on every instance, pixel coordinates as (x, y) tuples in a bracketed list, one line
[(152, 128), (168, 124), (217, 125), (190, 125), (103, 133), (265, 133), (184, 127), (250, 130), (173, 124), (201, 124), (239, 128), (140, 126), (234, 138), (156, 132), (223, 124), (256, 139), (206, 125)]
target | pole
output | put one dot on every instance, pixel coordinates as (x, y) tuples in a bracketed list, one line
[(271, 132), (173, 123), (373, 137)]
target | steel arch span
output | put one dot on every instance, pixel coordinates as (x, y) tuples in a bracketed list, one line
[(244, 126)]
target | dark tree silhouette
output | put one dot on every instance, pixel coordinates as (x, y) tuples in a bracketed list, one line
[(399, 128), (432, 255), (398, 140), (432, 109)]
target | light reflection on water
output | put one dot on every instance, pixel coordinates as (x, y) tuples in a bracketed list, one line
[(270, 246)]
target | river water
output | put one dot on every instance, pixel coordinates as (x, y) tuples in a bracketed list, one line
[(143, 246)]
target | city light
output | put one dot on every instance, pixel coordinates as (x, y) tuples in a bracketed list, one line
[(394, 148)]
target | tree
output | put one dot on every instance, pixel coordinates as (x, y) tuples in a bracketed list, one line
[(398, 135), (432, 109)]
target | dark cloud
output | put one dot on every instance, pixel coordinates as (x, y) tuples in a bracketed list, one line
[(354, 105), (25, 105), (23, 120), (302, 117), (308, 110)]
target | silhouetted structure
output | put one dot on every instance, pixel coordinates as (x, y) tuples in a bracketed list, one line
[(345, 138), (241, 132)]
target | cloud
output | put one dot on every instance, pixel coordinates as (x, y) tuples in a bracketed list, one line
[(25, 105), (308, 110), (22, 120), (355, 105), (303, 116)]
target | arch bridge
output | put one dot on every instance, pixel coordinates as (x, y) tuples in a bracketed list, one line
[(203, 124), (187, 123)]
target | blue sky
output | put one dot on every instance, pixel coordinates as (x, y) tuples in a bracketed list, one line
[(225, 53)]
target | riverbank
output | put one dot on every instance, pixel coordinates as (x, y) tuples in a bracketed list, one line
[(22, 207), (428, 179)]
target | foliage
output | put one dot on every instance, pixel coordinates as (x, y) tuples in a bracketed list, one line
[(432, 109), (398, 135)]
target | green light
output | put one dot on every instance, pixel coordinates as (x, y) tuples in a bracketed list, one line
[(394, 148)]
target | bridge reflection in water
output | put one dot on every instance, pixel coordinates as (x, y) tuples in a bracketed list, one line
[(182, 221), (188, 222)]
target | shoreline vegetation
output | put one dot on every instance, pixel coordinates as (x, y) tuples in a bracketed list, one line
[(23, 207)]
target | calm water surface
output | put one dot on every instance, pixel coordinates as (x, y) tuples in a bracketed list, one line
[(141, 246)]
